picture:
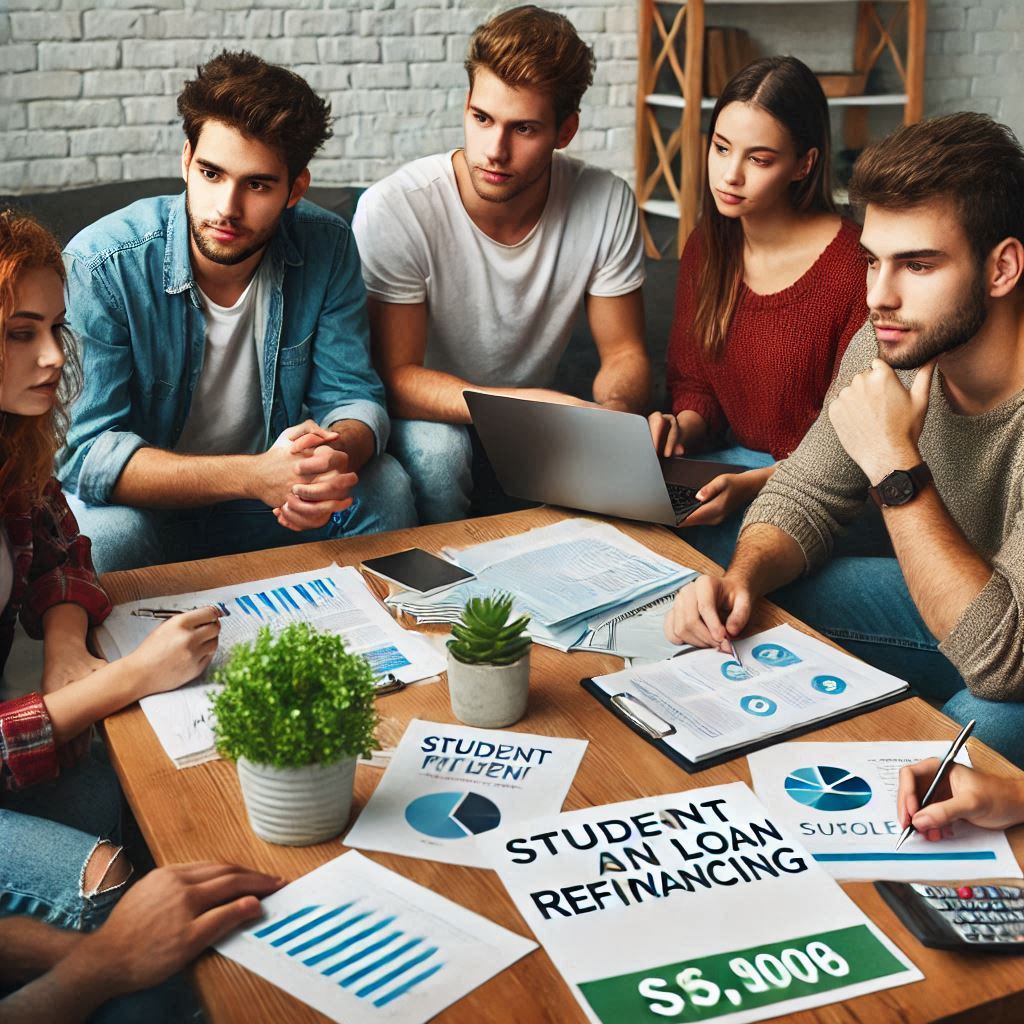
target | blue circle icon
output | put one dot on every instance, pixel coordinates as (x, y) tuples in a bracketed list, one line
[(734, 671), (754, 704), (827, 789), (775, 655), (452, 815), (828, 684)]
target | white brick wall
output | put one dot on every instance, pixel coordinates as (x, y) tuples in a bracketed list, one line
[(88, 87)]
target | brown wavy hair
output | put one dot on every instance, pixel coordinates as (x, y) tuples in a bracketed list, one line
[(536, 48), (788, 90), (28, 444)]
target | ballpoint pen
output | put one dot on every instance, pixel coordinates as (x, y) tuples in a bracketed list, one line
[(940, 774), (735, 654), (156, 613)]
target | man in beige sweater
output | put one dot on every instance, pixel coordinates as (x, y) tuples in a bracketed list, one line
[(925, 417)]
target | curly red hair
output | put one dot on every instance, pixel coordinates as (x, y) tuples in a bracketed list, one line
[(28, 444)]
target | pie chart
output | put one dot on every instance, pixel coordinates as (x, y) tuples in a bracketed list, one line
[(452, 815), (827, 789)]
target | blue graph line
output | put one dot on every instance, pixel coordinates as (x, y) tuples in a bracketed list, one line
[(364, 934), (307, 925), (406, 986), (342, 945), (266, 600), (391, 975), (371, 949), (284, 920), (975, 855)]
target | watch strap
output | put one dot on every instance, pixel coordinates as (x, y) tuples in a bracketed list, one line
[(920, 475)]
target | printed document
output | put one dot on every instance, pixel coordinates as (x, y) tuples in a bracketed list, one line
[(333, 598), (703, 703), (840, 800), (360, 943), (695, 906), (447, 785)]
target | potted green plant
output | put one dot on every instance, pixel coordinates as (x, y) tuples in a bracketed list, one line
[(296, 712), (489, 663)]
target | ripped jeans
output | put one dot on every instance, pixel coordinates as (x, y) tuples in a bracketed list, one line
[(47, 835)]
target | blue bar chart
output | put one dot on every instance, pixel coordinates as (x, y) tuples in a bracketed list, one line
[(360, 943), (362, 948)]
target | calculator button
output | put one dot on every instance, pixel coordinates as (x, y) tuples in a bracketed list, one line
[(965, 892)]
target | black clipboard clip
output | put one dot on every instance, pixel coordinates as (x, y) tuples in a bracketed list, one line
[(646, 720)]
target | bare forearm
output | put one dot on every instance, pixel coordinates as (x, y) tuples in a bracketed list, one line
[(941, 587), (416, 393), (624, 383), (31, 948), (357, 440), (765, 558), (158, 479), (65, 623), (693, 430), (78, 705)]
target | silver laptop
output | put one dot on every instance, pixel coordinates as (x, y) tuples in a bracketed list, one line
[(592, 459)]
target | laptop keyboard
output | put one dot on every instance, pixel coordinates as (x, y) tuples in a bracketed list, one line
[(684, 499)]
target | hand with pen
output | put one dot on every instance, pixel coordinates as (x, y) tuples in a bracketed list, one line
[(966, 794), (709, 612)]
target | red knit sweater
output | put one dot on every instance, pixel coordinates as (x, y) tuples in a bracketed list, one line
[(780, 353)]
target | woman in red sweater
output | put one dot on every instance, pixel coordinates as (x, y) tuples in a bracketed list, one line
[(59, 814), (771, 290)]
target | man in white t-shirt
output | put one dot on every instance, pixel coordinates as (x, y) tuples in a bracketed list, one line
[(476, 261)]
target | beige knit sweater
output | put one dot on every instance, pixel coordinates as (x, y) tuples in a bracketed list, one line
[(978, 466)]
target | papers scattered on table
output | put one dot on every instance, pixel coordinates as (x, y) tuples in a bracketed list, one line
[(691, 906), (359, 943), (704, 703), (840, 798), (447, 785), (332, 598), (572, 578)]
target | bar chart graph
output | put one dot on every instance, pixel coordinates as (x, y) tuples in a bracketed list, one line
[(361, 943), (364, 949)]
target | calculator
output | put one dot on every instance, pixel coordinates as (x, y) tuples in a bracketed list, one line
[(988, 918)]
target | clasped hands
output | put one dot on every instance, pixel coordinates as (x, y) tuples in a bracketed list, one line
[(304, 477)]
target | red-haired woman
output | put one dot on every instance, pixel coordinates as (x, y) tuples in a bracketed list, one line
[(59, 820)]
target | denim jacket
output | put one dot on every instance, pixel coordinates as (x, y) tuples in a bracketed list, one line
[(135, 307)]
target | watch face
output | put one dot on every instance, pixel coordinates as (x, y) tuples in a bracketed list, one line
[(897, 488)]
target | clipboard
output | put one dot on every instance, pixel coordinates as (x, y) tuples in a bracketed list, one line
[(650, 727)]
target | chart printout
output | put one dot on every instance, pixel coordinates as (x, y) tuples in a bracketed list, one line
[(691, 906), (840, 800), (447, 785), (360, 943)]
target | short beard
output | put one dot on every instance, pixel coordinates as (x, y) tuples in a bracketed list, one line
[(950, 333), (217, 255)]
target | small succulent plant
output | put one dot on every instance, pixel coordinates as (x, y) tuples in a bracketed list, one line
[(484, 635)]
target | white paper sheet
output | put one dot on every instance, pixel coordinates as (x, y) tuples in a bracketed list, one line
[(840, 799), (707, 704), (690, 906), (359, 943), (447, 785), (334, 598)]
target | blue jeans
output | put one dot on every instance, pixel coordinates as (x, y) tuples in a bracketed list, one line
[(125, 538), (438, 458), (47, 835)]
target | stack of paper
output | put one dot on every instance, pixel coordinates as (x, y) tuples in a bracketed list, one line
[(571, 578), (333, 598)]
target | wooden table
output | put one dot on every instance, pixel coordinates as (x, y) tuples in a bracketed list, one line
[(197, 813)]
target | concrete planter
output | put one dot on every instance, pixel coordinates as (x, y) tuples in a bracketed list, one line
[(489, 696), (297, 806)]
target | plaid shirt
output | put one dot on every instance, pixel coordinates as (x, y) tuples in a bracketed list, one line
[(52, 565)]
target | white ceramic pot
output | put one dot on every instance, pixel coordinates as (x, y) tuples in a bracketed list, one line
[(489, 696), (297, 806)]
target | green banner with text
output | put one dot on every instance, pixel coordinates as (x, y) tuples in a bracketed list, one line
[(743, 979)]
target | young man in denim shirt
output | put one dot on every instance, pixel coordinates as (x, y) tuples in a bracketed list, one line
[(229, 402)]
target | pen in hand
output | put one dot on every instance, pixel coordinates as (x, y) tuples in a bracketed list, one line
[(940, 774)]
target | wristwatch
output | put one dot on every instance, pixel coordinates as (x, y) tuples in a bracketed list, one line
[(901, 486)]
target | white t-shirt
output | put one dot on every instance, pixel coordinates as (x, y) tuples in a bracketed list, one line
[(6, 569), (498, 315), (226, 414)]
